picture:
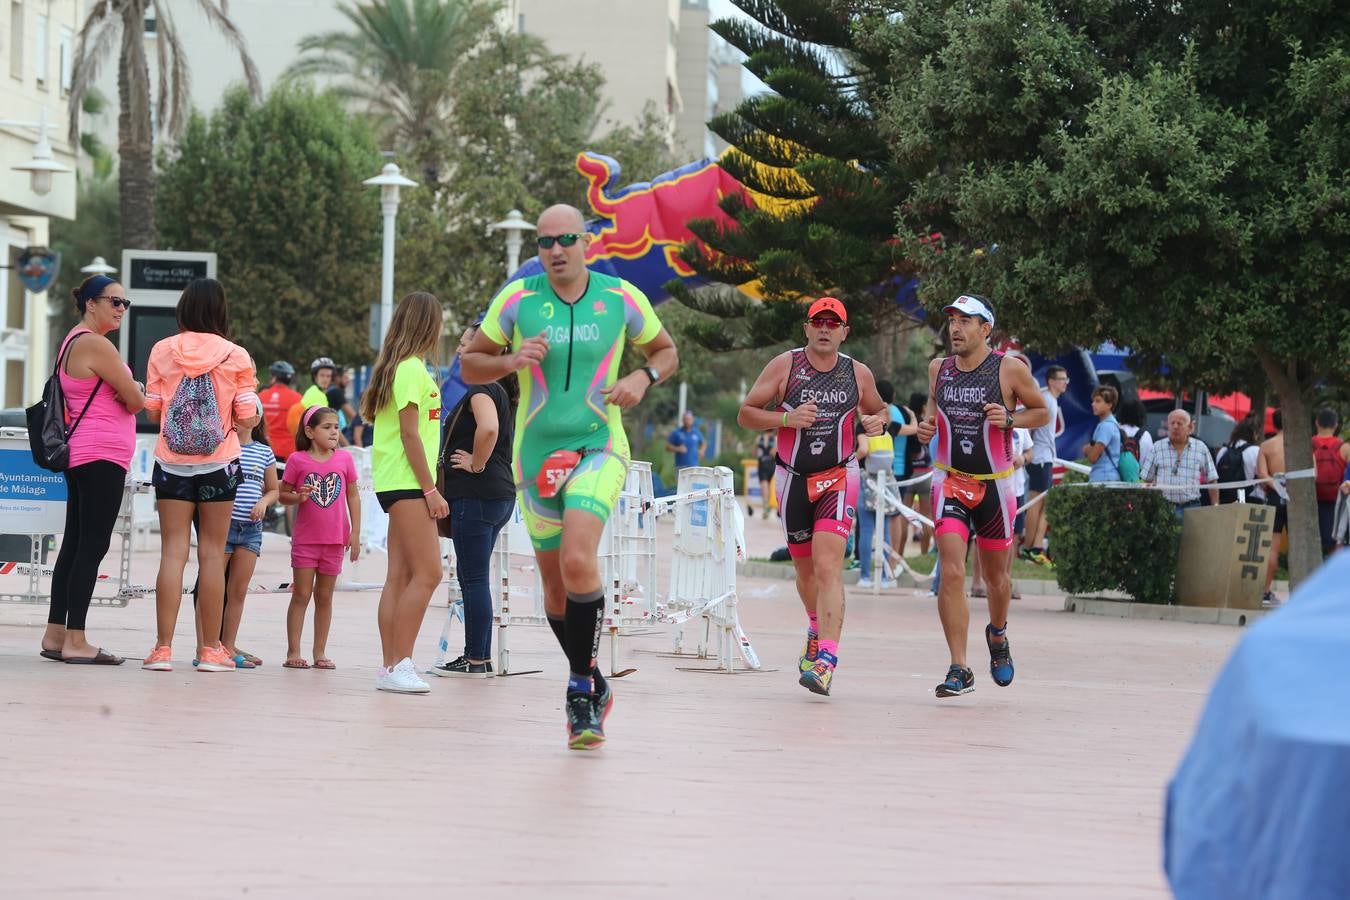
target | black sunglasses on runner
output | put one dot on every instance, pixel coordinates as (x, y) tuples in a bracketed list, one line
[(546, 241)]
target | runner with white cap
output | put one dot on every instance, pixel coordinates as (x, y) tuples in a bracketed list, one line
[(975, 392)]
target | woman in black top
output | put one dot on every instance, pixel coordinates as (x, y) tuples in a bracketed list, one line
[(482, 493)]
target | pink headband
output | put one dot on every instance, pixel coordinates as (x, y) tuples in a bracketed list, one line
[(309, 414)]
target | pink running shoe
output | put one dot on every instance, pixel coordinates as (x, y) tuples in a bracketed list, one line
[(214, 659), (159, 660)]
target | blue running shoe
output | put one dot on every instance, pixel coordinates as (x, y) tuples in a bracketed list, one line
[(584, 729), (1000, 657), (960, 680)]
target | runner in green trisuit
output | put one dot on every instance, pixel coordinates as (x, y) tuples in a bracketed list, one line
[(566, 330)]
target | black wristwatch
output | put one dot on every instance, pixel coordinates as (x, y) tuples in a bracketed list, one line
[(654, 375)]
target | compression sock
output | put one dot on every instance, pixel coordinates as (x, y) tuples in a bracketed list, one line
[(829, 651), (813, 624), (585, 613), (559, 631)]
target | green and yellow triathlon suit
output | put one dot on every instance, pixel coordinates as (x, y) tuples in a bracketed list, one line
[(561, 407)]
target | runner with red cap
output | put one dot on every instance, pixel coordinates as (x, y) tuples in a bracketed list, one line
[(813, 396), (975, 392)]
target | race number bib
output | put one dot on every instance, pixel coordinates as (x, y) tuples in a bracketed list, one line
[(555, 471), (963, 489), (822, 483)]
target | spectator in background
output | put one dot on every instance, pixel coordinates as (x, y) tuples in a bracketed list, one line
[(1132, 418), (453, 387), (1270, 463), (337, 399), (1040, 471), (1236, 460), (321, 377), (1022, 450), (687, 443), (902, 424), (1181, 464), (1330, 455), (919, 462), (277, 399), (766, 456), (1103, 451)]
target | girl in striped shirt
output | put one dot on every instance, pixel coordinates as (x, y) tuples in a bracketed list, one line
[(258, 490)]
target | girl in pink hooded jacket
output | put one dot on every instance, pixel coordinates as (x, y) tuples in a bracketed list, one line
[(198, 386)]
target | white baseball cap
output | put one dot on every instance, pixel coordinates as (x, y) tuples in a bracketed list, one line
[(971, 306)]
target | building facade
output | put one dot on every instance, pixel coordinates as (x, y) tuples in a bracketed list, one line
[(37, 45)]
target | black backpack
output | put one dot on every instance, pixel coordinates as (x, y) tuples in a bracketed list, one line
[(1231, 468), (48, 436)]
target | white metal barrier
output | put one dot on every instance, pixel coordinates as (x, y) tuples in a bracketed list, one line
[(709, 538)]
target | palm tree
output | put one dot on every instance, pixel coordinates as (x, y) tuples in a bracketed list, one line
[(400, 61), (111, 21)]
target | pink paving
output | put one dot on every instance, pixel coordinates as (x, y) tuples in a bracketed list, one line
[(277, 784)]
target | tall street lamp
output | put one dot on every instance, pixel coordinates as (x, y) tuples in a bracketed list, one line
[(389, 181), (515, 227), (43, 164)]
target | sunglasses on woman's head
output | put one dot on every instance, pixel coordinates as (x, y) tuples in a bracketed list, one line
[(117, 302), (546, 241)]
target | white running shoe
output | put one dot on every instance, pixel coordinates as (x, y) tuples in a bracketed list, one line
[(887, 584), (865, 583), (402, 679)]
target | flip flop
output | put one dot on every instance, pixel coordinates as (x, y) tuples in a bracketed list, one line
[(296, 663), (104, 658), (251, 658), (241, 662), (324, 662), (52, 654)]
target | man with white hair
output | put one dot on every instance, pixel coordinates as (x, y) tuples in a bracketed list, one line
[(1181, 464)]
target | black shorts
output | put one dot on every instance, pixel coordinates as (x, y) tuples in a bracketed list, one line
[(209, 487), (389, 498), (1040, 476), (989, 520), (1281, 512), (833, 512)]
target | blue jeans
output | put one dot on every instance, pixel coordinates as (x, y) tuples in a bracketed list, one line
[(474, 526), (867, 524)]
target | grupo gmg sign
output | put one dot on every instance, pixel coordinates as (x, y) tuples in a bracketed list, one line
[(32, 499), (164, 275)]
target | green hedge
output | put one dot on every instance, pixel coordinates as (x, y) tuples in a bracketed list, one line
[(1106, 539)]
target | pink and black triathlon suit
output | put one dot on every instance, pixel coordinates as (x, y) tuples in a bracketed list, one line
[(804, 454), (969, 446)]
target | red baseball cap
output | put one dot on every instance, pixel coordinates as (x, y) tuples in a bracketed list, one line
[(829, 305)]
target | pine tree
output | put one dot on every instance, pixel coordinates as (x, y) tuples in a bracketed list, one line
[(813, 153)]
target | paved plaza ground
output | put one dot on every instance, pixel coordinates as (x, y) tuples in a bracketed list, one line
[(277, 784)]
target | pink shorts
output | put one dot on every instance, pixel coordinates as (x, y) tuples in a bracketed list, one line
[(326, 558)]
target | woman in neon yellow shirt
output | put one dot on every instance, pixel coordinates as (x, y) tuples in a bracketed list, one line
[(404, 402)]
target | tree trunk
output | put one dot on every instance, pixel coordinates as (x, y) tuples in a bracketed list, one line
[(1305, 541), (135, 138)]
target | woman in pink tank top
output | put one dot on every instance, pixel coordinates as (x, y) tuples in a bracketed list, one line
[(101, 404)]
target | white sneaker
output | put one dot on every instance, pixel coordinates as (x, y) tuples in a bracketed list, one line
[(887, 584), (865, 583), (401, 679)]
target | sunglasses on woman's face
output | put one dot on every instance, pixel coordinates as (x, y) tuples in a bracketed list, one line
[(546, 241), (117, 302)]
